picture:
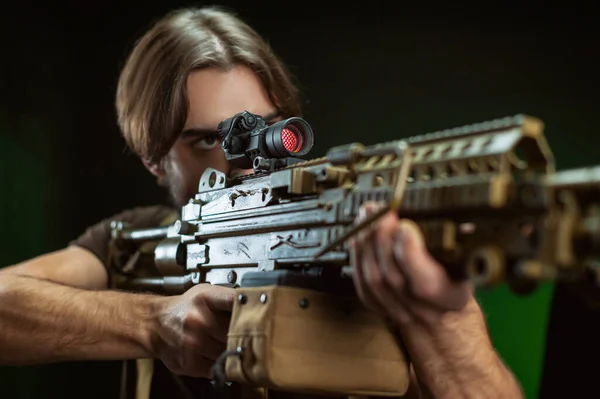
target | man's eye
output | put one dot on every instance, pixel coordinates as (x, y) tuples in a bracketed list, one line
[(207, 143)]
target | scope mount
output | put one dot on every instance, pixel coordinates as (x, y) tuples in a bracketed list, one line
[(250, 142)]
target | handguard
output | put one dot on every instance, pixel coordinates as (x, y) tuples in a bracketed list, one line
[(302, 340)]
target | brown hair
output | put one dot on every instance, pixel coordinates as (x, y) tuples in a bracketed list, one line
[(151, 98)]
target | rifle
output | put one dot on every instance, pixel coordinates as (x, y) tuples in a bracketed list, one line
[(486, 196)]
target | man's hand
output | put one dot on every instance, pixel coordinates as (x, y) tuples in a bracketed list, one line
[(395, 275), (440, 321), (43, 319), (192, 329)]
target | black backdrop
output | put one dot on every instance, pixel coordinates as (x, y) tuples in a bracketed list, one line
[(369, 73)]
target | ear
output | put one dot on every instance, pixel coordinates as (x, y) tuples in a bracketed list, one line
[(156, 168)]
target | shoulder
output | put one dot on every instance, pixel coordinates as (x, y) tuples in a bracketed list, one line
[(96, 238), (145, 216), (138, 217)]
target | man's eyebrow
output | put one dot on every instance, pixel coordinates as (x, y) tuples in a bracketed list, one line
[(272, 115), (196, 132)]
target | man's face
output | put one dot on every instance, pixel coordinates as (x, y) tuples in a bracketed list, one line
[(213, 96)]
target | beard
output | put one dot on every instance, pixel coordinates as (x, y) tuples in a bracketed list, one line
[(179, 193), (177, 196), (182, 186)]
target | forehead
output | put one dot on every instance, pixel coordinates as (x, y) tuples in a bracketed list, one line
[(215, 95)]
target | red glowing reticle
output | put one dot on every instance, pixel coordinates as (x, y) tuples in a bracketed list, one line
[(291, 139)]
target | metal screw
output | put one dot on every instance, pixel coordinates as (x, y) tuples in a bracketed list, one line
[(303, 303), (231, 277), (242, 298), (263, 298)]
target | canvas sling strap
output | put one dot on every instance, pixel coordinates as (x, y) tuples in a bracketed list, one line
[(144, 367)]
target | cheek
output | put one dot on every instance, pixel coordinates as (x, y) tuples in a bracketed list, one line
[(195, 164), (218, 160)]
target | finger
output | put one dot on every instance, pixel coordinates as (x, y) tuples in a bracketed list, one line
[(219, 298), (372, 276), (427, 279), (194, 355), (395, 290), (220, 326), (201, 345), (392, 293), (212, 348), (389, 288), (383, 243), (357, 262), (359, 279), (214, 324)]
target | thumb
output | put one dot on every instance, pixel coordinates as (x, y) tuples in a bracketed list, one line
[(411, 234)]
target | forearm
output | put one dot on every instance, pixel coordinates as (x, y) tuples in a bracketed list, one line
[(42, 322), (456, 359)]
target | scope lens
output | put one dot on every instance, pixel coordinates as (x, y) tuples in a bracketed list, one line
[(291, 139)]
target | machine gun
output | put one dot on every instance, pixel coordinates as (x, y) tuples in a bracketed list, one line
[(486, 196)]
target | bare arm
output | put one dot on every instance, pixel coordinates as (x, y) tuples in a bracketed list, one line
[(56, 308), (454, 358), (52, 309)]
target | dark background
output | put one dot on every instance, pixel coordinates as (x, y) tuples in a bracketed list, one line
[(369, 73)]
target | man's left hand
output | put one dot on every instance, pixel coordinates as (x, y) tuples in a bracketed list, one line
[(396, 276)]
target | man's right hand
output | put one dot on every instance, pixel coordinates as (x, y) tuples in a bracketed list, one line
[(192, 329), (56, 308)]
